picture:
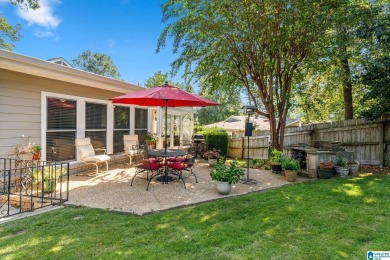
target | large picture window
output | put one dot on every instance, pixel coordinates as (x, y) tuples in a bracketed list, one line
[(60, 129), (121, 126), (96, 124), (141, 124)]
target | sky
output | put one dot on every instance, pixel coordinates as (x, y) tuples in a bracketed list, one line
[(125, 30)]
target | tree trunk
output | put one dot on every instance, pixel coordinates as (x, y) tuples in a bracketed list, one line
[(347, 87)]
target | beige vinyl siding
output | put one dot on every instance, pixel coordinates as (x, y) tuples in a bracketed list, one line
[(20, 105)]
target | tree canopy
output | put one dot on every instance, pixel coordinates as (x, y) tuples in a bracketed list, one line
[(97, 63), (255, 45), (331, 85), (159, 78), (10, 34)]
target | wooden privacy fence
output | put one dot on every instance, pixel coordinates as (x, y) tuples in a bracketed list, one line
[(369, 141)]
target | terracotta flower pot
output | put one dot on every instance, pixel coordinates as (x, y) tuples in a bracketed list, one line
[(291, 176)]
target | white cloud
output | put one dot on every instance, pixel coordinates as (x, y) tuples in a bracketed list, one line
[(44, 34), (43, 16)]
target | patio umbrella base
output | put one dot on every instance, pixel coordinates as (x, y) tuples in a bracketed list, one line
[(165, 179), (248, 181)]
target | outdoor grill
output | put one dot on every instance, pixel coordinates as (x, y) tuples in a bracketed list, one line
[(197, 139)]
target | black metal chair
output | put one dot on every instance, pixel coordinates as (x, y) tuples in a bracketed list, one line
[(151, 166)]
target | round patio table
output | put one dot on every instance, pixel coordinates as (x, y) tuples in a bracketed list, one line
[(165, 154)]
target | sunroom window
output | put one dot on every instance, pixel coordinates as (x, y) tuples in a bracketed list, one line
[(61, 129), (141, 123), (96, 124), (121, 126)]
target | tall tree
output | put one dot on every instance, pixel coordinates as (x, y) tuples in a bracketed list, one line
[(376, 74), (160, 78), (10, 34), (229, 100), (157, 79), (97, 63), (260, 43), (329, 86)]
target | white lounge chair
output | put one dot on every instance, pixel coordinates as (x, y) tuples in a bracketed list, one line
[(86, 153), (132, 147)]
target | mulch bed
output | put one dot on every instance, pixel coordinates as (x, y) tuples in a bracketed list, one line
[(374, 169)]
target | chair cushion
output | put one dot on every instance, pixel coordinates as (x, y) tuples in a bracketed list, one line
[(128, 145), (176, 165), (98, 158), (86, 151), (155, 166), (131, 152), (82, 141), (176, 159)]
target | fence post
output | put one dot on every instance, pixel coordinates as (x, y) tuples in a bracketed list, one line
[(242, 147), (381, 143)]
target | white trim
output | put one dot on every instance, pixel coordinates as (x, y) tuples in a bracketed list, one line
[(132, 117), (43, 125), (110, 129)]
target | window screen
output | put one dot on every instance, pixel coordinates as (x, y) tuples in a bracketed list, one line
[(121, 126), (61, 129), (96, 124)]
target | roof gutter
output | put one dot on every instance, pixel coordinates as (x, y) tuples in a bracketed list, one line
[(27, 65)]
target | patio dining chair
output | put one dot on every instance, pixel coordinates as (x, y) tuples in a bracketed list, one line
[(151, 166), (86, 153), (177, 168)]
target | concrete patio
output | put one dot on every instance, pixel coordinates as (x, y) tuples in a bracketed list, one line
[(111, 190)]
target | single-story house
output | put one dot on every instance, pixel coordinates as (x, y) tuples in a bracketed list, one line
[(53, 103), (235, 125)]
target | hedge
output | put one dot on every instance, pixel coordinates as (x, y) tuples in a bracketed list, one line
[(216, 138)]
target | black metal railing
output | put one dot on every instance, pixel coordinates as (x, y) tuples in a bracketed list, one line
[(26, 185)]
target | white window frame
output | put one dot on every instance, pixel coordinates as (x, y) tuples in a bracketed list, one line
[(80, 117)]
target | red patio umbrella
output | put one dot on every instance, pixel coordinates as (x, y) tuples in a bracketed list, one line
[(164, 96)]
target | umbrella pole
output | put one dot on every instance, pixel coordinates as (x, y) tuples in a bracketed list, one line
[(166, 124)]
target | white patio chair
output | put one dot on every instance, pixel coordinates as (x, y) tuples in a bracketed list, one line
[(132, 147), (86, 153)]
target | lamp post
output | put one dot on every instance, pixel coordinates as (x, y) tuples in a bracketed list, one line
[(248, 110)]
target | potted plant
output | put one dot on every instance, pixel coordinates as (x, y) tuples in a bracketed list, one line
[(342, 167), (45, 177), (212, 156), (23, 151), (276, 161), (37, 152), (151, 140), (226, 175), (325, 170), (290, 167), (353, 167)]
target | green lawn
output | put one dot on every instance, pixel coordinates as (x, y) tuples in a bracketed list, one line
[(323, 219)]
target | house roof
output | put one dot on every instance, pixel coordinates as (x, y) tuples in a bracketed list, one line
[(27, 65), (60, 61), (237, 123)]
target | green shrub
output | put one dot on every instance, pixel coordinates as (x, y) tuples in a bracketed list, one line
[(290, 164), (258, 163), (216, 138), (276, 156), (342, 162), (230, 174)]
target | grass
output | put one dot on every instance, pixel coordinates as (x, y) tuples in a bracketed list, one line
[(323, 219)]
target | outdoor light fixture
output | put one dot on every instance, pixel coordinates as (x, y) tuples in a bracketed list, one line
[(248, 110)]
